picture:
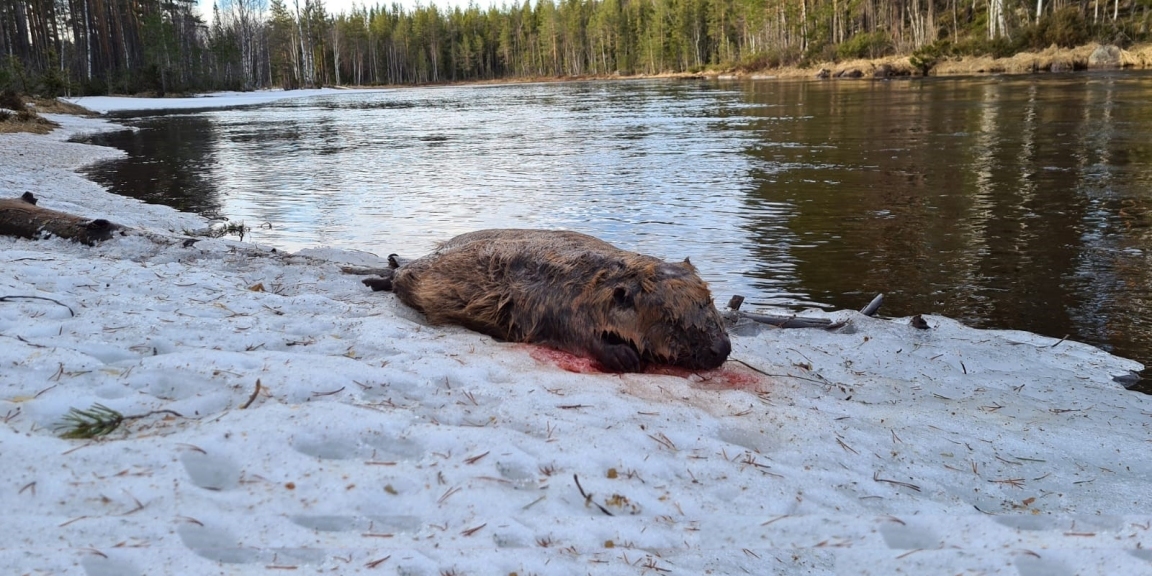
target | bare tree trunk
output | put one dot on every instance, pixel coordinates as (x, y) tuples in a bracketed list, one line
[(88, 40), (308, 77), (336, 51), (997, 25), (803, 25), (955, 23), (835, 17)]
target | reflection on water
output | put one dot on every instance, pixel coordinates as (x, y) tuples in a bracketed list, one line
[(171, 162), (1005, 202)]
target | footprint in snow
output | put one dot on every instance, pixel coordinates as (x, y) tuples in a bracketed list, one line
[(909, 537), (215, 543), (211, 471), (108, 566)]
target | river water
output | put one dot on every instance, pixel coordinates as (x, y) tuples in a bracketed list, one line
[(1007, 202)]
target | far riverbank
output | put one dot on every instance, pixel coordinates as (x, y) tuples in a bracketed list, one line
[(1052, 59)]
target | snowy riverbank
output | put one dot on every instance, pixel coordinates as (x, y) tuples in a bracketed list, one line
[(377, 443)]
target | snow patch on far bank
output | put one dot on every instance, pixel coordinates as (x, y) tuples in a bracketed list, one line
[(105, 104)]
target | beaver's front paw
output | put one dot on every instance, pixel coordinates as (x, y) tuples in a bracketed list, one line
[(378, 284), (618, 358)]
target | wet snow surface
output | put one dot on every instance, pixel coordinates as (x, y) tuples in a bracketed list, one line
[(378, 444)]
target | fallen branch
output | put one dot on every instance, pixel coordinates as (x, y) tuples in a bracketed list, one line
[(790, 321), (9, 298), (794, 321)]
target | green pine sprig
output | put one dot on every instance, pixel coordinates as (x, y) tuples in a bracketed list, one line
[(99, 420)]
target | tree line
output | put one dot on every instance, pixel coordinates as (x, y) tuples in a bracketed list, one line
[(55, 47)]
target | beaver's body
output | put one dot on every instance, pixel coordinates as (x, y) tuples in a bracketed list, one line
[(569, 291)]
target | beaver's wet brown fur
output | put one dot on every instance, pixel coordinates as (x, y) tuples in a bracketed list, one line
[(569, 291)]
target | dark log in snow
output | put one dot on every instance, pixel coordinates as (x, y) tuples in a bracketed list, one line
[(21, 217)]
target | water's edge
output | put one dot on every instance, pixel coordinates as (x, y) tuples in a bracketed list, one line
[(1002, 202)]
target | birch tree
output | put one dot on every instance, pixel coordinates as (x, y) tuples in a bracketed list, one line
[(246, 18), (997, 26)]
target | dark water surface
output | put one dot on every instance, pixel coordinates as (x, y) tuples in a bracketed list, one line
[(1009, 202)]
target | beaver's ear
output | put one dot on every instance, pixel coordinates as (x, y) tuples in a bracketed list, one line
[(621, 297), (688, 264)]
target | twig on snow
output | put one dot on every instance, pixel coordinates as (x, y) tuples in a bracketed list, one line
[(10, 297), (588, 497), (252, 398), (877, 478), (759, 371)]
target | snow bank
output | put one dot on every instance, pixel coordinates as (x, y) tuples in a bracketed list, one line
[(378, 443)]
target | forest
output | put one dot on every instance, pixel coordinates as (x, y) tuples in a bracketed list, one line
[(86, 47)]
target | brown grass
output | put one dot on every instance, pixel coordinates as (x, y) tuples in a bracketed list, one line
[(1066, 59), (25, 122), (1052, 58), (29, 119), (57, 106), (1139, 56)]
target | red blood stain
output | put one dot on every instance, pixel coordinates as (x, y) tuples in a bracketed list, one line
[(719, 379), (565, 360)]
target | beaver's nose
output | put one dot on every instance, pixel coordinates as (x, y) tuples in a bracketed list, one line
[(721, 348), (716, 354)]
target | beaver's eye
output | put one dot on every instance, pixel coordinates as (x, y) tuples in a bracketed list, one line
[(621, 298)]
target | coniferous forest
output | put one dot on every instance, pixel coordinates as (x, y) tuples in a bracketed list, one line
[(56, 47)]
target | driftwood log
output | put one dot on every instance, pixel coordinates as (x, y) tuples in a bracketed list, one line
[(798, 321), (21, 217)]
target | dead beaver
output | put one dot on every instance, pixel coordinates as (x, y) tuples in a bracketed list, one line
[(569, 291)]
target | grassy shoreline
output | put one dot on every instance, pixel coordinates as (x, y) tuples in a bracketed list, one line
[(1052, 59)]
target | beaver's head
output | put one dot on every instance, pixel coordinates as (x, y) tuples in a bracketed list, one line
[(663, 313)]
